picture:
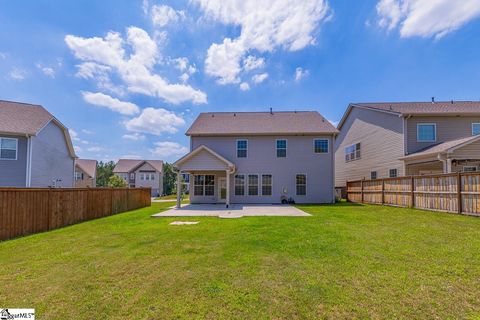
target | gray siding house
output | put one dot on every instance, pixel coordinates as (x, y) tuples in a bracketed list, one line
[(259, 157), (381, 140), (141, 173), (35, 148)]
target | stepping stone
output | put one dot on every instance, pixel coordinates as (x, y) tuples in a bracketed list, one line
[(179, 223)]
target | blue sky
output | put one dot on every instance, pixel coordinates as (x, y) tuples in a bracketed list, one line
[(129, 77)]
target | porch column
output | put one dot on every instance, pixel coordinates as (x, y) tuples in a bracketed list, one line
[(449, 165), (227, 200), (179, 189)]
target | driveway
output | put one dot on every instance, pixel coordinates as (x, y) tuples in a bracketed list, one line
[(234, 211)]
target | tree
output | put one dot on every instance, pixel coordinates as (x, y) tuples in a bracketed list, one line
[(169, 179), (104, 172), (116, 182)]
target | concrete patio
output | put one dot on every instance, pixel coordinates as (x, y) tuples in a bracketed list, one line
[(234, 211)]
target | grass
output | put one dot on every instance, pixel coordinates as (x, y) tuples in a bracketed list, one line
[(346, 261), (172, 197)]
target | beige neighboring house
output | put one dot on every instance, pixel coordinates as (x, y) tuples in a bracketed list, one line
[(85, 173), (141, 173), (381, 140)]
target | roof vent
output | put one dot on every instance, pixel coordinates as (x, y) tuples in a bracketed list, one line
[(271, 111), (433, 99), (234, 114), (452, 101), (213, 115)]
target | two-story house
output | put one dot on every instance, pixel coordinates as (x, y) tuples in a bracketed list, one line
[(380, 140), (259, 157), (85, 173), (141, 173), (35, 148)]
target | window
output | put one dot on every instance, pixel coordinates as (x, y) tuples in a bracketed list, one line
[(242, 146), (266, 184), (132, 176), (352, 152), (393, 173), (469, 169), (240, 185), (373, 175), (204, 185), (152, 176), (426, 132), (78, 175), (142, 176), (301, 182), (8, 149), (320, 146), (253, 185), (475, 129), (147, 176), (281, 148)]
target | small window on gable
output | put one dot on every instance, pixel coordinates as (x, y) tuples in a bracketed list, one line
[(320, 145), (373, 175), (426, 132), (281, 148), (242, 148), (475, 129), (393, 173)]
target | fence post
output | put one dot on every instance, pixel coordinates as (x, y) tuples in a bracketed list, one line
[(361, 189), (459, 192), (383, 191), (412, 194)]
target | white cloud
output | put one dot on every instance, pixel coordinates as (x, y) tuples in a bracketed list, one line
[(333, 122), (300, 73), (162, 15), (426, 18), (252, 63), (73, 135), (48, 71), (77, 149), (165, 149), (3, 55), (17, 74), (100, 73), (103, 100), (135, 136), (136, 70), (259, 78), (244, 86), (86, 131), (95, 149), (131, 156), (155, 121), (265, 26)]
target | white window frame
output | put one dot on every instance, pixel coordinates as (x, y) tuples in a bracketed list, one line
[(390, 171), (235, 184), (354, 152), (16, 148), (276, 148), (152, 176), (261, 184), (371, 175), (236, 148), (296, 185), (473, 124), (204, 185), (328, 146), (475, 167), (427, 124), (78, 175), (258, 185)]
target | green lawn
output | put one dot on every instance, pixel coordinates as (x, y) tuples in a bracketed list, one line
[(172, 197), (346, 261)]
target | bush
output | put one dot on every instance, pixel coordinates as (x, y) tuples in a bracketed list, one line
[(117, 182)]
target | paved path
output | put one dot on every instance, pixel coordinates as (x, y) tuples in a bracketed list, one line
[(234, 211)]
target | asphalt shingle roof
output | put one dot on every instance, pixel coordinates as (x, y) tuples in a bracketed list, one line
[(437, 107), (127, 165), (88, 166), (22, 118)]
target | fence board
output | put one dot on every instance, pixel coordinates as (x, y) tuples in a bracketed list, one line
[(454, 192), (25, 211)]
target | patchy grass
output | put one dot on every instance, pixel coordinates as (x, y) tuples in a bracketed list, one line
[(173, 197), (346, 261)]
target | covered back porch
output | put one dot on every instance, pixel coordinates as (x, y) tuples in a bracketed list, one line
[(210, 176)]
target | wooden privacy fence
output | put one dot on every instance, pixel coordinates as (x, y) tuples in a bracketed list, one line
[(454, 192), (30, 210)]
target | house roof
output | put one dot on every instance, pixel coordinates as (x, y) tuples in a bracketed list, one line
[(444, 147), (439, 108), (88, 166), (22, 118), (127, 165), (189, 155), (260, 123)]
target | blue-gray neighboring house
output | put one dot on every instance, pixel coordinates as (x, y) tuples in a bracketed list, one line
[(35, 148)]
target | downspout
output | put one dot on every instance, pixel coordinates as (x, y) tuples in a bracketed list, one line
[(27, 166)]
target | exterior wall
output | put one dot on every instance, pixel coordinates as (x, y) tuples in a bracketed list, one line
[(432, 167), (470, 151), (87, 182), (156, 184), (13, 173), (448, 128), (381, 141), (51, 159), (262, 159)]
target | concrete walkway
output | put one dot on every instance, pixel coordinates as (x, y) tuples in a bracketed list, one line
[(234, 211)]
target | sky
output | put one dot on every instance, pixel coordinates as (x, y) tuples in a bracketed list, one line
[(129, 77)]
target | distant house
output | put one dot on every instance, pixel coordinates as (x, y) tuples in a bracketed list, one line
[(259, 157), (85, 173), (381, 140), (141, 173), (35, 148)]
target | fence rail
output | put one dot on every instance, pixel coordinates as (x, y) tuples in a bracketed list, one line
[(25, 211), (453, 192)]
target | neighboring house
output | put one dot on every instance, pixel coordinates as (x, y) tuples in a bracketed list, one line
[(85, 173), (259, 157), (141, 173), (380, 140), (35, 148)]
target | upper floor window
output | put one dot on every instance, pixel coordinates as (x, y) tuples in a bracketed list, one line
[(142, 176), (242, 146), (78, 175), (320, 145), (8, 148), (393, 173), (426, 132), (475, 129), (352, 152), (281, 148)]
